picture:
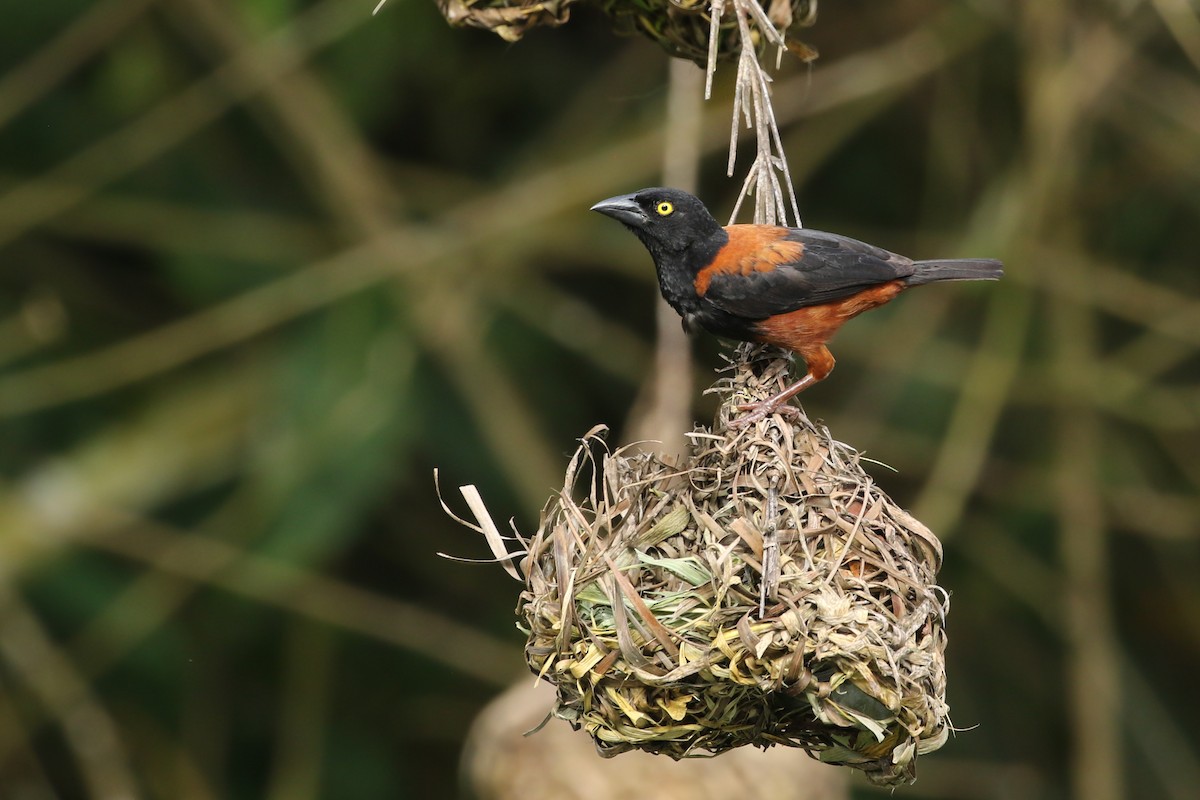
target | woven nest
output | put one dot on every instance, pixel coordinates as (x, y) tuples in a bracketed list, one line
[(680, 26), (763, 591)]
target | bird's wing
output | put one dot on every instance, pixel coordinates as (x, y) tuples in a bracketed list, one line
[(763, 271)]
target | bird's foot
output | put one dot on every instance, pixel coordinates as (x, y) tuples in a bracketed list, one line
[(762, 410), (776, 404)]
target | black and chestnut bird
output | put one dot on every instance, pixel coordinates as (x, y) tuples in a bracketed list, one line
[(789, 287)]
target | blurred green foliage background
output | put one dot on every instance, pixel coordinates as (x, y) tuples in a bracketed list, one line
[(264, 265)]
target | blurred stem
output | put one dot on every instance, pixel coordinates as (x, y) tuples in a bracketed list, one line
[(56, 60), (299, 591), (983, 393), (663, 410), (1174, 101), (317, 137), (267, 238), (1183, 453), (1162, 310), (1068, 69), (167, 767), (1063, 93), (1163, 743), (577, 326), (173, 120), (1181, 19), (146, 604), (187, 438), (17, 754), (303, 703), (1093, 679), (1025, 577), (40, 321), (452, 325), (214, 328), (89, 732), (1137, 504)]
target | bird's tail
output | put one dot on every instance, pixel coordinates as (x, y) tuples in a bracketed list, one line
[(955, 269)]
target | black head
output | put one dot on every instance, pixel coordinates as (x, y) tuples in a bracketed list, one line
[(666, 220)]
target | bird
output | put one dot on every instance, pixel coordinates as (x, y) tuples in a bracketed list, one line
[(788, 287)]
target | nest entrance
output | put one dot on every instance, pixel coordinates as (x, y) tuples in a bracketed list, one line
[(762, 591)]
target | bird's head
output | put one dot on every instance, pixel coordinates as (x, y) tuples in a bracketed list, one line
[(666, 220)]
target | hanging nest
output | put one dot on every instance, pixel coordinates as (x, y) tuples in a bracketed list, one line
[(763, 591), (680, 26), (508, 19)]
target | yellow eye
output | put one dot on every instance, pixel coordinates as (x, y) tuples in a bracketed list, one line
[(664, 208)]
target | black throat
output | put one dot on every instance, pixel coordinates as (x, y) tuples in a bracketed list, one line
[(677, 270), (677, 264)]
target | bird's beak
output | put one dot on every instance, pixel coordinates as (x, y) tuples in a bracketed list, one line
[(623, 208)]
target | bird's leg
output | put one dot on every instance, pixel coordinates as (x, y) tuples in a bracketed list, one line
[(777, 402), (820, 363)]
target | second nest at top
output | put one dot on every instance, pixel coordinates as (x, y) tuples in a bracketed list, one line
[(680, 26)]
